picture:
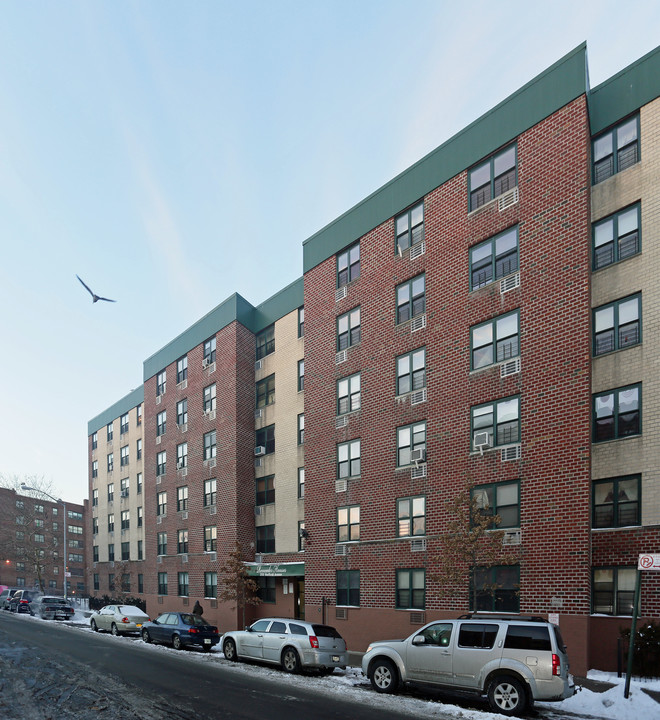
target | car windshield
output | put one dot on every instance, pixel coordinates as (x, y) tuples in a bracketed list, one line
[(189, 619), (129, 610), (54, 601), (325, 631)]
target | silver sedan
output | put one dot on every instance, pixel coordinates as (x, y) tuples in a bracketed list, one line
[(118, 619)]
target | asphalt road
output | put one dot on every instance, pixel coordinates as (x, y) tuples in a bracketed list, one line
[(53, 672)]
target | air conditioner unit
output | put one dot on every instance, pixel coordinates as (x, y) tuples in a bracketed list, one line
[(258, 558), (182, 385), (510, 283), (340, 293), (418, 323), (258, 462), (258, 413), (158, 399), (417, 250), (258, 510), (258, 365), (418, 455), (511, 537), (184, 515), (417, 397), (418, 472), (180, 465), (341, 550), (508, 199), (341, 357), (124, 493), (206, 362), (341, 421), (184, 558), (481, 440), (183, 427), (341, 485), (213, 555), (512, 452), (418, 545), (260, 450), (510, 367), (158, 439)]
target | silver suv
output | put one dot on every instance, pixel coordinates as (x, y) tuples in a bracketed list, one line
[(513, 661), (293, 644)]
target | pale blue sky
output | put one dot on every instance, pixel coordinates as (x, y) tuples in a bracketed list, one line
[(172, 153)]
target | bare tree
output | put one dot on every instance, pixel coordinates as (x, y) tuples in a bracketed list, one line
[(238, 587), (471, 545)]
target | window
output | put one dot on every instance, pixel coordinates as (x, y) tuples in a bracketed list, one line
[(161, 503), (301, 536), (182, 541), (477, 635), (181, 369), (111, 552), (162, 543), (501, 499), (123, 456), (139, 415), (301, 429), (409, 228), (162, 583), (38, 523), (492, 178), (348, 524), (411, 516), (111, 522), (497, 588), (161, 383), (209, 492), (410, 589), (348, 459), (267, 591), (95, 553), (266, 342), (97, 581), (209, 398), (348, 265), (613, 590), (139, 449), (209, 445), (111, 580), (500, 419), (301, 375), (348, 588), (161, 423), (74, 529), (409, 438), (301, 322), (266, 539), (265, 490), (182, 456), (495, 341), (493, 259), (266, 391), (110, 432), (123, 424), (125, 551), (95, 526), (182, 412), (209, 351), (111, 492), (616, 502), (301, 482), (617, 325), (140, 581), (95, 468), (410, 299), (182, 498), (38, 537), (210, 585), (617, 413), (616, 237), (616, 149), (124, 486), (161, 463), (95, 440), (348, 329), (348, 394), (39, 508), (125, 520), (139, 516), (111, 461), (95, 497), (139, 482), (411, 371), (77, 557), (266, 438), (210, 538)]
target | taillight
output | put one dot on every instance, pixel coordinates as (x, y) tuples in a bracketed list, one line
[(125, 620), (24, 602), (214, 630), (193, 631), (313, 641), (556, 664)]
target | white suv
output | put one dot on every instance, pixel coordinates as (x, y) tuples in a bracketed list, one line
[(512, 660)]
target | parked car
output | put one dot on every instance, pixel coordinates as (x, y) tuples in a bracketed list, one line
[(5, 596), (179, 629), (50, 607), (293, 644), (513, 661), (20, 601), (118, 619)]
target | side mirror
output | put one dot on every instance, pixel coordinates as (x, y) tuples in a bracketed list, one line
[(419, 640)]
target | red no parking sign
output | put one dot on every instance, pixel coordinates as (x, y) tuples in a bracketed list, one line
[(648, 562)]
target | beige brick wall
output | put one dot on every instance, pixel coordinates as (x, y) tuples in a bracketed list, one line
[(639, 274)]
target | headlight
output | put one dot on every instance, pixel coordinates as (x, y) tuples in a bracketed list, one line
[(368, 649)]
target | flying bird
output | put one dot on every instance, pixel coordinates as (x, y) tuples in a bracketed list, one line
[(95, 297)]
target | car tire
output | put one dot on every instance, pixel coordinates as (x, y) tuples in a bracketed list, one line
[(146, 637), (206, 648), (384, 677), (506, 695), (176, 642), (114, 629), (290, 660), (229, 649), (94, 626)]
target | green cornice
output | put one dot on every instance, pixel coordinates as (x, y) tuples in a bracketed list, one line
[(625, 92), (552, 89), (133, 399)]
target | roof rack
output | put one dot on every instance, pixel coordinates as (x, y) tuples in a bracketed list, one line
[(496, 616)]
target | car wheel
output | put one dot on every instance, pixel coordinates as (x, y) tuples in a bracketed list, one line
[(290, 660), (145, 636), (384, 677), (229, 649), (114, 630), (176, 642), (206, 648), (507, 695), (94, 626)]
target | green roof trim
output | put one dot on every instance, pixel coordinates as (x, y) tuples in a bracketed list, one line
[(234, 309), (625, 92), (554, 88), (133, 399)]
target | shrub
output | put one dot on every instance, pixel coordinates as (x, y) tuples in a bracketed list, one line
[(646, 653)]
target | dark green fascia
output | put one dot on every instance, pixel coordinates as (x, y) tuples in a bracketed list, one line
[(625, 92), (234, 309), (557, 86), (133, 399)]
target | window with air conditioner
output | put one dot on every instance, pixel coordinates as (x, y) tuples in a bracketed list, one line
[(210, 492), (210, 538), (409, 438), (182, 412), (499, 419), (617, 237), (265, 437), (409, 228), (494, 258), (348, 394), (495, 341), (209, 398), (492, 177), (182, 498), (411, 371), (182, 456), (410, 299), (181, 369), (161, 383), (209, 352), (210, 445)]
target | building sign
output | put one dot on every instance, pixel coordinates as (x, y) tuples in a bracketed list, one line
[(648, 562), (276, 569)]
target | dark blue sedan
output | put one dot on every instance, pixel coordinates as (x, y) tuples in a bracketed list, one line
[(179, 629)]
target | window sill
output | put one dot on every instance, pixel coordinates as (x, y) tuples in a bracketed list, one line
[(613, 440), (616, 528)]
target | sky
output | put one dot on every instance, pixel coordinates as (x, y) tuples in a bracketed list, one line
[(173, 153)]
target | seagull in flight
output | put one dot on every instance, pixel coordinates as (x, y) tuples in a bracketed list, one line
[(95, 297)]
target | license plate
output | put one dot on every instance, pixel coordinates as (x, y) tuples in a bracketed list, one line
[(138, 624), (335, 658), (207, 641)]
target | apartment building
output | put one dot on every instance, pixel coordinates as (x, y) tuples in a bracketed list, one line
[(116, 553)]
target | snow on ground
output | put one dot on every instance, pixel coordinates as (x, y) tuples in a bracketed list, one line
[(352, 684)]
